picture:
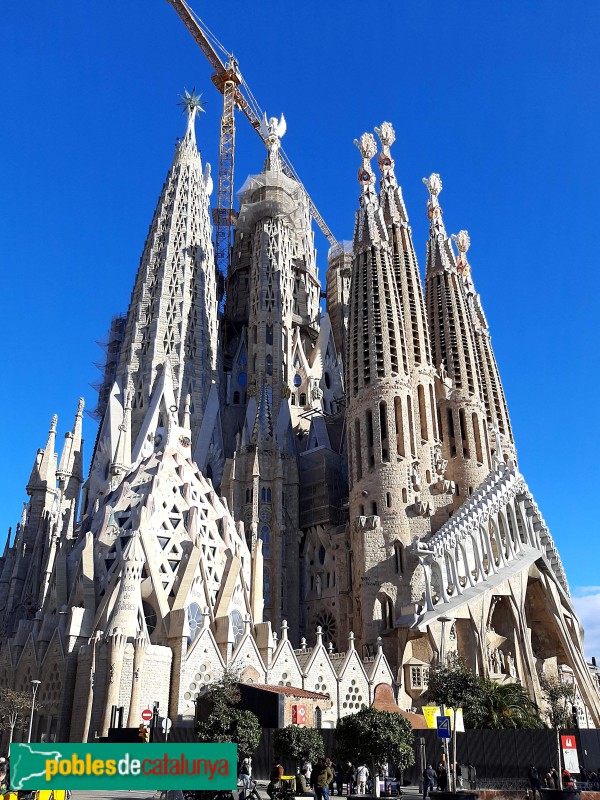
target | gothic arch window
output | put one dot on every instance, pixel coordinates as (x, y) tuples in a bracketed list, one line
[(265, 535), (462, 421), (269, 364), (436, 432), (302, 398), (399, 426), (374, 508), (269, 335), (387, 612), (477, 434), (358, 448), (369, 429), (318, 717)]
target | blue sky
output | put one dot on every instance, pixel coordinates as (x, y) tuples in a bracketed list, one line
[(500, 98)]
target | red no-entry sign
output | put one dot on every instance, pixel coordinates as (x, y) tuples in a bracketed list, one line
[(146, 715)]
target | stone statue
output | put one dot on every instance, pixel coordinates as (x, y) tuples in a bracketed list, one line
[(415, 476), (318, 585), (440, 463), (512, 667)]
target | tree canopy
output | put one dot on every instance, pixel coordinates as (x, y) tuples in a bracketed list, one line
[(559, 697), (486, 703), (15, 709), (375, 737), (298, 744), (221, 721)]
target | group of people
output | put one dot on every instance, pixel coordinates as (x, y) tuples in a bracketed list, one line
[(4, 774), (552, 780), (439, 777), (323, 779)]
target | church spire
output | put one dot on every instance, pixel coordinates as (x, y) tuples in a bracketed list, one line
[(70, 474), (462, 411), (173, 311), (489, 375)]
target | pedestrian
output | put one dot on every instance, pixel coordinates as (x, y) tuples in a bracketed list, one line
[(245, 773), (350, 777), (555, 779), (428, 781), (320, 779), (301, 782), (308, 767), (275, 778), (442, 777), (534, 781), (566, 777), (472, 775), (339, 778), (3, 779), (459, 775), (362, 775), (330, 767), (549, 781)]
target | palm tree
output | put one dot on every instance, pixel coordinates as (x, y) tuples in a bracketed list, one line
[(504, 705)]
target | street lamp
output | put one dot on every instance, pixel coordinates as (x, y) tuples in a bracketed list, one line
[(444, 620), (35, 685)]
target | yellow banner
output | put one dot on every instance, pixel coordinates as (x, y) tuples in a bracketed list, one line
[(431, 713)]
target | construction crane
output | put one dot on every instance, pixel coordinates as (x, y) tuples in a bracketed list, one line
[(236, 94)]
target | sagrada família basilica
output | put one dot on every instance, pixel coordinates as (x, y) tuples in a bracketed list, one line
[(321, 500)]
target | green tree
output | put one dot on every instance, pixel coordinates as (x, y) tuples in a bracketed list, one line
[(221, 721), (298, 744), (501, 705), (374, 737), (454, 685), (15, 710), (559, 697)]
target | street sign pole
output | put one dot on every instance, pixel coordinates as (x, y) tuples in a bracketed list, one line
[(166, 727)]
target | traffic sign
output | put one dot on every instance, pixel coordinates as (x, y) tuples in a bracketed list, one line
[(443, 727), (146, 715), (166, 725)]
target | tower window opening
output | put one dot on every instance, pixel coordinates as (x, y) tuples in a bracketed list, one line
[(269, 364), (269, 335), (293, 398), (433, 414), (370, 454), (477, 435), (452, 441), (383, 429), (404, 496), (302, 398), (422, 412), (399, 426), (236, 398), (463, 432), (357, 449), (399, 558), (411, 428), (374, 509), (388, 499)]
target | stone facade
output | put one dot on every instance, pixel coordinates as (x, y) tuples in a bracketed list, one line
[(272, 472)]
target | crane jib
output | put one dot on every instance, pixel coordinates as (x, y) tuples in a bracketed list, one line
[(225, 78)]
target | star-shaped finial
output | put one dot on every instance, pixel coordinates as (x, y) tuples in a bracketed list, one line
[(191, 102)]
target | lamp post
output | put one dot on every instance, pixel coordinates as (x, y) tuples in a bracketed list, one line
[(35, 685), (444, 620)]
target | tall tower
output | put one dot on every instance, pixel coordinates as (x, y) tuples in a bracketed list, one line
[(489, 376), (380, 418), (426, 475), (168, 356), (272, 323), (462, 416)]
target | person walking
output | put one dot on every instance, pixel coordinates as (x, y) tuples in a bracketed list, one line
[(308, 767), (339, 778), (330, 767), (275, 778), (245, 773), (428, 781), (350, 777), (320, 779), (534, 781), (459, 775), (555, 779), (442, 777), (472, 775), (362, 775)]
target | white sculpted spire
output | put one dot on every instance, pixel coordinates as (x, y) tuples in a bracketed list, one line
[(272, 131), (370, 228)]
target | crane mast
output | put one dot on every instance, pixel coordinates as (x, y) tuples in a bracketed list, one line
[(228, 80)]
